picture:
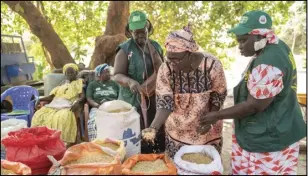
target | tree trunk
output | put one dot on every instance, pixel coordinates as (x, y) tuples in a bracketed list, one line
[(44, 31), (105, 45), (48, 59)]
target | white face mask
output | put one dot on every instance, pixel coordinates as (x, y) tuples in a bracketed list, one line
[(260, 44)]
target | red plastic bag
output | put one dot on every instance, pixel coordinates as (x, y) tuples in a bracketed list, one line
[(31, 146)]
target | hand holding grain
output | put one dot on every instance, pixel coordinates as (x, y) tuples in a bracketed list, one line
[(148, 135)]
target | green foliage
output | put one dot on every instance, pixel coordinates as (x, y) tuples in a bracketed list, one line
[(76, 22), (12, 23), (294, 32), (211, 20), (79, 22)]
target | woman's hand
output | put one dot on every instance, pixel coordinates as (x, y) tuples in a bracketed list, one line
[(204, 129), (134, 86), (37, 105), (209, 119), (148, 135), (75, 106), (97, 106)]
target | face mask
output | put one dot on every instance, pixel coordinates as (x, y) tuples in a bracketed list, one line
[(260, 44)]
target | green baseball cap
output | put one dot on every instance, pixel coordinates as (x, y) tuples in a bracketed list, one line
[(137, 20), (251, 20)]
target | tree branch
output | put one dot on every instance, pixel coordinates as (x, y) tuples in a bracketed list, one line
[(43, 30)]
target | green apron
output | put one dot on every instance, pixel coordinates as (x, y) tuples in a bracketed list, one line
[(136, 69), (281, 124)]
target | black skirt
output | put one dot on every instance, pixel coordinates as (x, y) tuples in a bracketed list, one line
[(159, 145)]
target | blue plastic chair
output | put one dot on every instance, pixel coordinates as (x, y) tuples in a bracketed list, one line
[(23, 106)]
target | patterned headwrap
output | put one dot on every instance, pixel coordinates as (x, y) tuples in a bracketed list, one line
[(70, 65), (181, 40), (100, 68), (270, 37)]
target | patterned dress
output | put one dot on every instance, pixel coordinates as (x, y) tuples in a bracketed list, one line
[(189, 96), (265, 81)]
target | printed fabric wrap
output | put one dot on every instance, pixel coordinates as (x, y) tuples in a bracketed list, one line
[(100, 68), (181, 40)]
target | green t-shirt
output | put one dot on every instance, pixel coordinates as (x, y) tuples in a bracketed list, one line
[(100, 91)]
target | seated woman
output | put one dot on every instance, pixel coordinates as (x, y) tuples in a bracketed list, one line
[(100, 90), (66, 99)]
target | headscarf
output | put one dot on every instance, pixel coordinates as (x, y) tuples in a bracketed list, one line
[(181, 40), (270, 37), (70, 65), (100, 68)]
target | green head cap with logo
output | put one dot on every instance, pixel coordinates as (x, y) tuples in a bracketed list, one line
[(255, 19), (137, 20)]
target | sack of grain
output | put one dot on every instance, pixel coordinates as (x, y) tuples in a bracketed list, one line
[(88, 158), (198, 160), (14, 168), (148, 164), (8, 126), (119, 120), (116, 145), (31, 146)]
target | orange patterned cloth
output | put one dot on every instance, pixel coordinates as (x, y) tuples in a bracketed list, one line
[(181, 40), (189, 96)]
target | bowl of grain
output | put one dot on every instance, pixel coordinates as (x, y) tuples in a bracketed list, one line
[(148, 164)]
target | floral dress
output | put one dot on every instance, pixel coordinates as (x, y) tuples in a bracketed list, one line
[(189, 96)]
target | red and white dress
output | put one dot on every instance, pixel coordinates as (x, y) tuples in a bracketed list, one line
[(264, 81)]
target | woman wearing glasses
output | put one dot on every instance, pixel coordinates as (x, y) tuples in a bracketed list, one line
[(189, 85), (135, 69)]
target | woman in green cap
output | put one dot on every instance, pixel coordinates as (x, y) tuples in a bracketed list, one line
[(136, 64), (268, 121)]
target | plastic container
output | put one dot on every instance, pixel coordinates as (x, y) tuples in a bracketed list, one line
[(51, 81)]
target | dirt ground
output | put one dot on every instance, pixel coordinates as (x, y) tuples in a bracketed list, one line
[(226, 151)]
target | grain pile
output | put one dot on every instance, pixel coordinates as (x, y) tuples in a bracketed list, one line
[(7, 172), (93, 157), (197, 158), (149, 136), (111, 145), (119, 110), (150, 166)]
